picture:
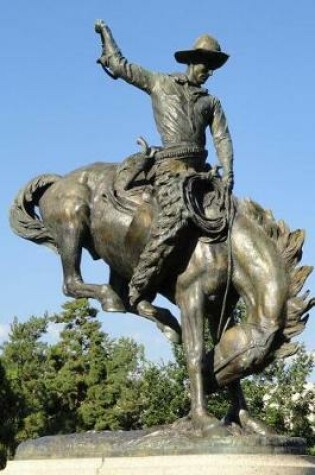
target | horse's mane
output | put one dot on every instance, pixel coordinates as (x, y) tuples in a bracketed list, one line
[(289, 244)]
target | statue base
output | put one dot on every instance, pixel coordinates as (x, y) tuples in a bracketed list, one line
[(161, 451), (204, 464), (161, 441)]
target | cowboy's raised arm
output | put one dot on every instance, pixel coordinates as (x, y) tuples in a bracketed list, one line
[(113, 60), (222, 142)]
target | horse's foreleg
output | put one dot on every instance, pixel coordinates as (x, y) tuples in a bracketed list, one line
[(191, 302), (193, 340), (239, 413)]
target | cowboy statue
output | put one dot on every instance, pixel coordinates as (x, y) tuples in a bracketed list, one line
[(182, 110), (165, 221)]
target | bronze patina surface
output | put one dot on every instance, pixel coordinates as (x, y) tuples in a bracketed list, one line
[(153, 442)]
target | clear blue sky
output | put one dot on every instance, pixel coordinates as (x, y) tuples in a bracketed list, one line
[(59, 111)]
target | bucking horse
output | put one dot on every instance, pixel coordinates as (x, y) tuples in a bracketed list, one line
[(258, 263)]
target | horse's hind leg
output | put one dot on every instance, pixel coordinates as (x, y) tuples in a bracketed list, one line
[(163, 318), (68, 217), (74, 286)]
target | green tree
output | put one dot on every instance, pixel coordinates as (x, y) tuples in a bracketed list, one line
[(93, 382), (123, 386), (24, 358), (7, 417), (165, 391), (75, 362), (284, 398)]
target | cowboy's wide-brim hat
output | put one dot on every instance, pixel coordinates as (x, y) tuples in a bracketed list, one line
[(206, 50)]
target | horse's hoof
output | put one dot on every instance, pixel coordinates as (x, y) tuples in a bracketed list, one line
[(182, 421), (210, 426), (111, 302), (254, 425), (184, 424), (169, 325), (146, 309), (216, 431), (113, 307), (163, 319), (172, 335)]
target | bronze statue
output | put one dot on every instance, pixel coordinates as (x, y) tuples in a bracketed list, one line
[(211, 248)]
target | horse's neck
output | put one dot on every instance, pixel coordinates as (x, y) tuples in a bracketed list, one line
[(259, 275)]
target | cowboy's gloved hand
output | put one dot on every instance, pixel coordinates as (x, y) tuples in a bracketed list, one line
[(228, 181), (100, 28), (99, 25)]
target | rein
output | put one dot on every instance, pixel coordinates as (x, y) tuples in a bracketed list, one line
[(230, 213)]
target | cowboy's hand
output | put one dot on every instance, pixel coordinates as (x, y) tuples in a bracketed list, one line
[(99, 26)]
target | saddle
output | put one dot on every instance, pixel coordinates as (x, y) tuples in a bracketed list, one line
[(132, 184), (133, 191)]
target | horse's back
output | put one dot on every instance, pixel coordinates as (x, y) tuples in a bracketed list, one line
[(67, 202), (78, 184)]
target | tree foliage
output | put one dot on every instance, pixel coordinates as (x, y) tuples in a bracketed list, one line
[(24, 357), (92, 380), (165, 391), (284, 398), (88, 381)]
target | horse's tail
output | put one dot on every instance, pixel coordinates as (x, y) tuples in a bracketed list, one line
[(24, 220), (290, 245)]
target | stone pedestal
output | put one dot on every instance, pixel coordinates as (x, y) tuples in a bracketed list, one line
[(168, 465), (162, 451)]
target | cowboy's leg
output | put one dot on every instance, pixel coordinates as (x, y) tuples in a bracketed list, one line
[(170, 220), (152, 258)]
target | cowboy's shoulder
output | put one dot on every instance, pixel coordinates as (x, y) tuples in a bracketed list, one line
[(179, 78), (171, 78), (168, 83)]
